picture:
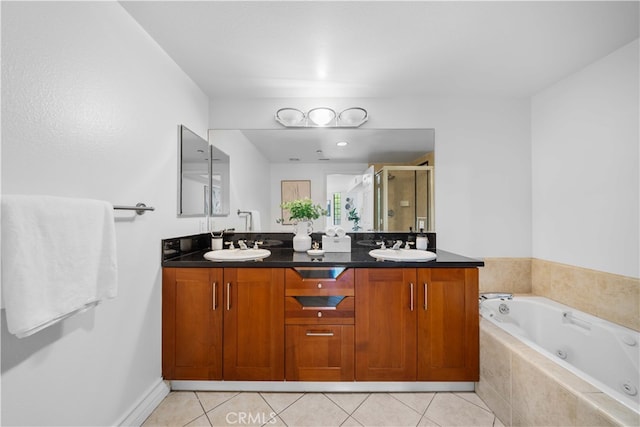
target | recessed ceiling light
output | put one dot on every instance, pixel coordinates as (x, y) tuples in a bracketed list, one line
[(342, 144)]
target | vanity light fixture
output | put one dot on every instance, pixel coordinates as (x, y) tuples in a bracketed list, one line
[(322, 117)]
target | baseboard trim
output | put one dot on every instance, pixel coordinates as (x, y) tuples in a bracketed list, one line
[(149, 401), (329, 386)]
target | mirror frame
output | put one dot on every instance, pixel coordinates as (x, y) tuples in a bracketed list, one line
[(212, 155)]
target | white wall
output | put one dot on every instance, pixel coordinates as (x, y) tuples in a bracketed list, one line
[(90, 108), (248, 172), (483, 161), (585, 167)]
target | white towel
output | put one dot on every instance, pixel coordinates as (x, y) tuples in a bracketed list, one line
[(58, 259), (255, 220)]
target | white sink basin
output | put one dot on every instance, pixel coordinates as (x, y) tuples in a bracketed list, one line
[(402, 255), (237, 254)]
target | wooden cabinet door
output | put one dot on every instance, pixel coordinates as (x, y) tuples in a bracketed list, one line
[(386, 324), (253, 324), (448, 332), (192, 323), (319, 353)]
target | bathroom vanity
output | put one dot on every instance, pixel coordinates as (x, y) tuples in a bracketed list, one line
[(344, 317)]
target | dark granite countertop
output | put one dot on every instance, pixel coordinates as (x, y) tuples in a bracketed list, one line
[(188, 251), (286, 257)]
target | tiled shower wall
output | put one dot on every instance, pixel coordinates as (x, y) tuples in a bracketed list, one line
[(608, 296)]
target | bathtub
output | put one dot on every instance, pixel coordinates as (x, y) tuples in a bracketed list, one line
[(604, 354)]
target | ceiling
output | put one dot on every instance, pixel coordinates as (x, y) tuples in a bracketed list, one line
[(360, 49), (319, 145)]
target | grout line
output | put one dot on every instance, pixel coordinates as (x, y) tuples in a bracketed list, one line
[(201, 407), (459, 394), (356, 408)]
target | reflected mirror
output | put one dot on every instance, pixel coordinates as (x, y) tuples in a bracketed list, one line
[(203, 177), (352, 174)]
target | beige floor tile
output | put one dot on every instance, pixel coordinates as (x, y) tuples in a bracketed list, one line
[(475, 399), (427, 422), (381, 409), (416, 401), (245, 409), (313, 409), (280, 401), (201, 421), (451, 410), (350, 422), (348, 401), (177, 409), (211, 399)]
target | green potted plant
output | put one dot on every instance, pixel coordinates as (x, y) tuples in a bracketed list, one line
[(302, 212), (353, 216)]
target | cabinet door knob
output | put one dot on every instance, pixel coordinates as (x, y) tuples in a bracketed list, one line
[(319, 285), (319, 314)]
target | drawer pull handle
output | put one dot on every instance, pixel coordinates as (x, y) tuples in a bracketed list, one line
[(319, 334), (228, 296), (411, 293), (215, 296), (304, 307), (425, 296)]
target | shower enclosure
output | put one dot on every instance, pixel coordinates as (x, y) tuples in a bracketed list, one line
[(404, 198)]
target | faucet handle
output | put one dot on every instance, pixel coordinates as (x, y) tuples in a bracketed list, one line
[(407, 244), (382, 245), (230, 244), (256, 243)]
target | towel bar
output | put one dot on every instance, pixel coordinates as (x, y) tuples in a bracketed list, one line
[(140, 208)]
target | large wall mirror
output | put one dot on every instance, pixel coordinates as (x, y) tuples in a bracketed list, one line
[(380, 180), (203, 177)]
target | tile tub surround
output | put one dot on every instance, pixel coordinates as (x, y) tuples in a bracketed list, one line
[(523, 387), (608, 296), (506, 275)]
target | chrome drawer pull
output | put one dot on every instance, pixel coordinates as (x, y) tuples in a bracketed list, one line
[(425, 296), (411, 292), (228, 296), (215, 296), (319, 334)]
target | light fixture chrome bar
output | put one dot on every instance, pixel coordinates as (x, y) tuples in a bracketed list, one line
[(352, 117)]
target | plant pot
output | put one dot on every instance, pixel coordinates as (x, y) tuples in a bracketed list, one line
[(302, 238)]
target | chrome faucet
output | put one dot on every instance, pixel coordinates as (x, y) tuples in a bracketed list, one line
[(495, 295), (397, 245), (243, 244)]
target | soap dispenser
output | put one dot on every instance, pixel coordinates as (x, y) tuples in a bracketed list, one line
[(422, 241)]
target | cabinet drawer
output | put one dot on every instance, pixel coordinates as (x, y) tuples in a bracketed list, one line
[(296, 312), (310, 281), (319, 353)]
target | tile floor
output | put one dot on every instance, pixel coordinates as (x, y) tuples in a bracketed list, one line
[(195, 409)]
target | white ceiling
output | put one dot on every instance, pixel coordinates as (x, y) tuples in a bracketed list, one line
[(318, 145), (359, 49)]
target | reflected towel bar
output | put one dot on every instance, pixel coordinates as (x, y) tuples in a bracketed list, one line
[(140, 208)]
